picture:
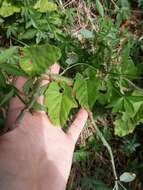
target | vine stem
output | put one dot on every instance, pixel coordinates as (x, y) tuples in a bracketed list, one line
[(57, 78), (28, 107), (95, 68), (19, 41), (106, 144), (74, 65)]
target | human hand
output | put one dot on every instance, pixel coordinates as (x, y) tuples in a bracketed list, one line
[(37, 155)]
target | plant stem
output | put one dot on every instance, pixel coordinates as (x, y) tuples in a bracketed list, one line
[(19, 41), (132, 84), (94, 68), (106, 144), (77, 64), (28, 107), (58, 78), (61, 5)]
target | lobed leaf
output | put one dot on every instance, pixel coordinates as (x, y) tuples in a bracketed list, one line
[(7, 9), (123, 125), (12, 70), (85, 91), (59, 101), (45, 6), (7, 53), (37, 59)]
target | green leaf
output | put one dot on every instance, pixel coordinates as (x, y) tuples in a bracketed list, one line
[(117, 105), (131, 111), (29, 34), (138, 117), (136, 98), (85, 91), (106, 92), (59, 101), (100, 8), (127, 67), (7, 9), (12, 70), (7, 97), (45, 6), (124, 125), (80, 155), (37, 59), (7, 53), (124, 3), (2, 80), (128, 105)]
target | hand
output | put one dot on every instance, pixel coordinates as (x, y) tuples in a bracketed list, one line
[(37, 155)]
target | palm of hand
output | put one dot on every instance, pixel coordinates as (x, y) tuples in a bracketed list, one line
[(37, 154)]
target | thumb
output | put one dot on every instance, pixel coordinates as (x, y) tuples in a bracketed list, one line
[(77, 125)]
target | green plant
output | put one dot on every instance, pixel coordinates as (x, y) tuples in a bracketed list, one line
[(98, 66), (129, 146)]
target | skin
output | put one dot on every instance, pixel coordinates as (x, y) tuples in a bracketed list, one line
[(37, 155)]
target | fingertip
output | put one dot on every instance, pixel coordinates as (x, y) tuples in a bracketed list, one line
[(81, 117), (55, 68), (77, 125), (83, 113)]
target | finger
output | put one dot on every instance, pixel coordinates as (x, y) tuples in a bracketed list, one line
[(54, 69), (77, 125)]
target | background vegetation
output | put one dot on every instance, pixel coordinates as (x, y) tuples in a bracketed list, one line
[(99, 45)]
